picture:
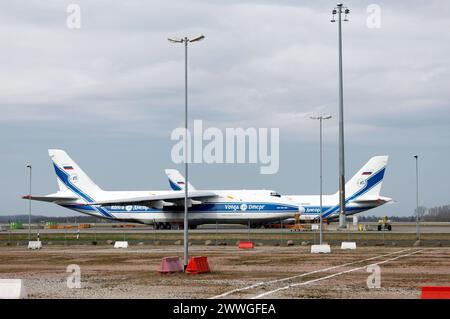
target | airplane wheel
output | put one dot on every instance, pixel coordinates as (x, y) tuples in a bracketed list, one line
[(379, 227), (156, 225), (389, 227)]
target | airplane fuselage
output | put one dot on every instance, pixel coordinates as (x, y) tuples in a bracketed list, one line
[(230, 206)]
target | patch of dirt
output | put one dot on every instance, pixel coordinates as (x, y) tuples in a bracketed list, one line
[(131, 273)]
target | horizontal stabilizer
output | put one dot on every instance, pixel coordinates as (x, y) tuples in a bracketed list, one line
[(372, 199), (52, 198)]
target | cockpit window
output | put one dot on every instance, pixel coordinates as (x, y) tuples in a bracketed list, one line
[(275, 194)]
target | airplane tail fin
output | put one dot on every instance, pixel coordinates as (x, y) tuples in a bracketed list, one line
[(71, 177), (366, 183), (177, 181)]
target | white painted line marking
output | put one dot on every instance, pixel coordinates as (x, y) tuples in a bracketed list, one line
[(303, 275), (331, 276)]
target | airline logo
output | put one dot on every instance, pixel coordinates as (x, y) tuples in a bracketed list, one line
[(361, 182), (73, 178), (244, 207)]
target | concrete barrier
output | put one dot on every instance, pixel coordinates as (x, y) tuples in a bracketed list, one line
[(323, 249), (35, 244), (246, 245), (12, 289), (433, 292), (198, 265), (348, 245), (170, 264), (121, 244)]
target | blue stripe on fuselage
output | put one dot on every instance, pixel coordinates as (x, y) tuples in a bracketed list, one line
[(315, 210), (206, 207)]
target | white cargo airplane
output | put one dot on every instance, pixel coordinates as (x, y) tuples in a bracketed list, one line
[(163, 208), (362, 192)]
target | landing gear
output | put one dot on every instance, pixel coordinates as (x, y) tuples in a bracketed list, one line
[(167, 226), (162, 226), (171, 226)]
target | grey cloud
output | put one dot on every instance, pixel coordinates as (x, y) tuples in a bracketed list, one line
[(262, 64)]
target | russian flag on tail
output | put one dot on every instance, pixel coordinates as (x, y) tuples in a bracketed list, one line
[(68, 167)]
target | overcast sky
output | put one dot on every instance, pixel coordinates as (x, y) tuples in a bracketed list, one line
[(111, 92)]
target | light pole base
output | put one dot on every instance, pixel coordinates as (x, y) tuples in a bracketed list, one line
[(342, 222)]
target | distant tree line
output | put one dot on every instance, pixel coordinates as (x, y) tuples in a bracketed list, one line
[(437, 214), (43, 219)]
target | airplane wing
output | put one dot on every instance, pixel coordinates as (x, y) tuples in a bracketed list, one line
[(176, 180), (371, 199), (158, 201), (52, 198)]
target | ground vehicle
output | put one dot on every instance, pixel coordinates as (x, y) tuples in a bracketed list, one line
[(384, 223)]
